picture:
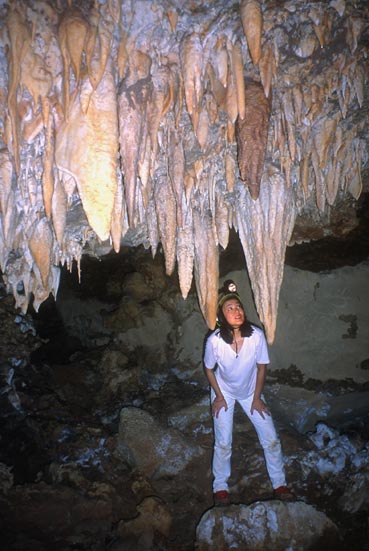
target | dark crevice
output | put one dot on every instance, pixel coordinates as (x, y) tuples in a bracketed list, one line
[(331, 252)]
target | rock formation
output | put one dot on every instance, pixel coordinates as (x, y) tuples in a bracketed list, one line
[(119, 122), (265, 526)]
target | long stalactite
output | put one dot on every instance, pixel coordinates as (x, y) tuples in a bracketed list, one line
[(169, 123)]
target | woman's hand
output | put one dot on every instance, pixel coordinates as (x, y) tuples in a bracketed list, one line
[(259, 406), (217, 405)]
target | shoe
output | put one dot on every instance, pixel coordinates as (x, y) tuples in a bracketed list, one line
[(283, 494), (221, 498)]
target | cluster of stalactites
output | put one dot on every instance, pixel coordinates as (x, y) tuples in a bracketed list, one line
[(135, 113)]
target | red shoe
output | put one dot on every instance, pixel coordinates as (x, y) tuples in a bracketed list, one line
[(221, 498), (283, 493)]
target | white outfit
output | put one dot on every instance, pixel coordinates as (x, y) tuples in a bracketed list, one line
[(236, 376)]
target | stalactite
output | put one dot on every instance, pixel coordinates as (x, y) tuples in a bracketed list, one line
[(118, 224), (206, 264), (166, 212), (49, 164), (176, 171), (192, 62), (6, 172), (267, 67), (59, 206), (134, 94), (252, 21), (237, 67), (185, 249), (119, 125), (40, 244), (19, 44), (221, 61), (252, 135), (86, 149), (265, 227)]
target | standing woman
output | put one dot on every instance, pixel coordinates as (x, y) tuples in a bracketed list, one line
[(239, 353)]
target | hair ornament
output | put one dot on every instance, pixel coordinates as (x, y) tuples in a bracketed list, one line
[(228, 291)]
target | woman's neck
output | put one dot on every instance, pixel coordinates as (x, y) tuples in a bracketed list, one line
[(236, 333)]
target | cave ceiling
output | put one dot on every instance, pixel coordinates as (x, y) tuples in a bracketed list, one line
[(172, 123)]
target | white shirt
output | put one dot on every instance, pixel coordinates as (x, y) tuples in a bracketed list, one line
[(236, 373)]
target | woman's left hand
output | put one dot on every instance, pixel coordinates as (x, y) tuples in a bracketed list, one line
[(259, 406)]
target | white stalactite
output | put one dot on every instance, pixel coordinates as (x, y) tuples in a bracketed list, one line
[(127, 116)]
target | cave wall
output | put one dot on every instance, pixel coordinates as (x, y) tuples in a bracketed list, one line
[(323, 323), (323, 326), (133, 309)]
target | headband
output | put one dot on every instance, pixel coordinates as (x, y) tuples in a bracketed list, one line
[(228, 297), (230, 292)]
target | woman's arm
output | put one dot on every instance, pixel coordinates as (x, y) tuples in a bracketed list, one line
[(219, 401), (257, 402)]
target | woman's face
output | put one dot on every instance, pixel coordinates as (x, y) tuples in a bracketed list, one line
[(233, 313)]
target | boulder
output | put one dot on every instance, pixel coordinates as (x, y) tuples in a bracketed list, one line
[(154, 520), (356, 495), (266, 526), (155, 450)]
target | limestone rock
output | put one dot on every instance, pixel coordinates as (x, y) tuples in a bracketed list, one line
[(154, 450), (190, 415), (116, 373), (6, 478), (266, 526), (356, 496), (154, 517)]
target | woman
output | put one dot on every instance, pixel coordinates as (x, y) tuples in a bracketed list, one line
[(239, 351)]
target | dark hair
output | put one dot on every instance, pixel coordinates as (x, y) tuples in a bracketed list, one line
[(226, 331)]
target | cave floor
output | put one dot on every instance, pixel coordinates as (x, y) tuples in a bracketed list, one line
[(72, 491)]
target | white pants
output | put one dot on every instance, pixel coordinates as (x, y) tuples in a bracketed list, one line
[(268, 438)]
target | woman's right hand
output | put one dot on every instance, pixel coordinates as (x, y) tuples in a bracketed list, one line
[(217, 405)]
